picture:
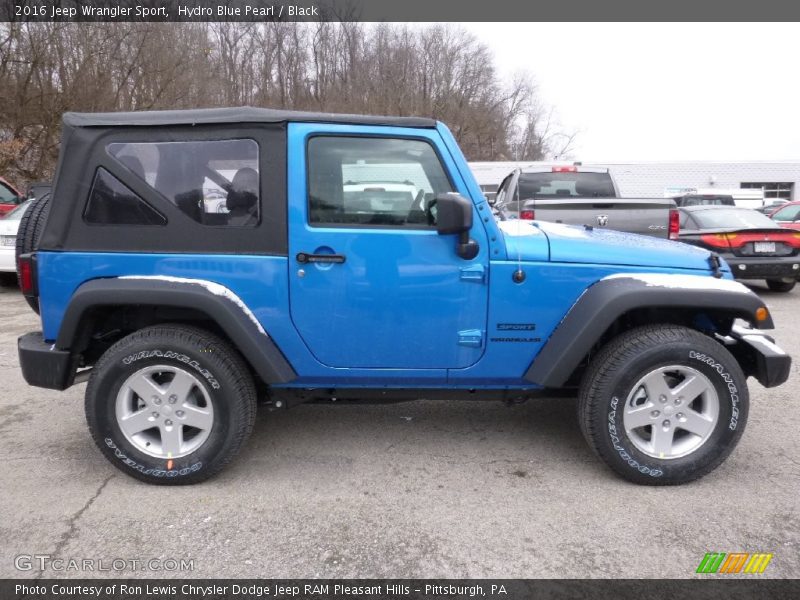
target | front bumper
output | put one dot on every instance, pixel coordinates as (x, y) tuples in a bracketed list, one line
[(759, 355), (780, 267), (44, 366)]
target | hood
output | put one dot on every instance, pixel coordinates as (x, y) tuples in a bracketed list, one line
[(576, 244)]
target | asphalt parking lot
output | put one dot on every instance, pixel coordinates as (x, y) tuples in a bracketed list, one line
[(421, 489)]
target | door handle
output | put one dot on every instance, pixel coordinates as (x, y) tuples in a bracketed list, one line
[(305, 257)]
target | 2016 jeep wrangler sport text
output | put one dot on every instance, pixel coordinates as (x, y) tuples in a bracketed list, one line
[(190, 263)]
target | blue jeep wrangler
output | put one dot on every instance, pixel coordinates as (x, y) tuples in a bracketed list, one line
[(191, 263)]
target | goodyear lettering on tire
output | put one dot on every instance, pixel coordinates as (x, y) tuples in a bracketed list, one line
[(615, 441), (155, 472)]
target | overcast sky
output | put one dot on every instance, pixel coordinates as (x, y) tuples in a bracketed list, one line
[(662, 91)]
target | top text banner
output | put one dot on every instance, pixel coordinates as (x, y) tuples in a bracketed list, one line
[(398, 10)]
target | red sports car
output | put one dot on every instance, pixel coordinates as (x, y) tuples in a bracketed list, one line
[(787, 215)]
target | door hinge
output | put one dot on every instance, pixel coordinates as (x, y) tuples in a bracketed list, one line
[(474, 273), (472, 338)]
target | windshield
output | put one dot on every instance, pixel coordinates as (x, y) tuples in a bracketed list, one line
[(565, 185), (7, 195), (788, 213), (17, 212), (733, 218)]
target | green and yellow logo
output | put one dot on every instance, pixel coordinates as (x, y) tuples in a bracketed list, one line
[(735, 562)]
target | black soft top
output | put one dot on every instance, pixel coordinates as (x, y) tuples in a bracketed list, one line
[(241, 114)]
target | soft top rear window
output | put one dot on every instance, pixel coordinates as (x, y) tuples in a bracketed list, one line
[(215, 182)]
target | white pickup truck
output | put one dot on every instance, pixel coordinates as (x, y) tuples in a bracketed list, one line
[(582, 195)]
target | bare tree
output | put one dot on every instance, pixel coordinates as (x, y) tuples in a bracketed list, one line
[(438, 71), (538, 137)]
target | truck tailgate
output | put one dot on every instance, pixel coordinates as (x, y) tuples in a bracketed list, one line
[(647, 216)]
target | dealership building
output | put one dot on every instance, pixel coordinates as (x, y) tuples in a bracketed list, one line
[(777, 179)]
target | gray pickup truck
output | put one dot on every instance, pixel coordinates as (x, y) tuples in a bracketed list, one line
[(578, 195)]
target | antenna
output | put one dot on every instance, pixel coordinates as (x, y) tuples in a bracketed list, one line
[(519, 274)]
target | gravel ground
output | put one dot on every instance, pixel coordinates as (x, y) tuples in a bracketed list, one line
[(420, 489)]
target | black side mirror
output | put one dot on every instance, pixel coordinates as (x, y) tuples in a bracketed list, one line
[(454, 215)]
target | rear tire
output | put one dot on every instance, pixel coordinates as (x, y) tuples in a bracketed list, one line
[(779, 285), (170, 404), (663, 404), (28, 235)]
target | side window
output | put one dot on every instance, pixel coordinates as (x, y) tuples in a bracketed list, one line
[(111, 202), (378, 182), (215, 182)]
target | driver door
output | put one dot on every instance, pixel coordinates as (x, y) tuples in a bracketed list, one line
[(372, 284)]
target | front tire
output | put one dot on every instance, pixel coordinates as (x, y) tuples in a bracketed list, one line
[(663, 405), (170, 404)]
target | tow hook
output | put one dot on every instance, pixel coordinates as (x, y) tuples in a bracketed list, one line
[(716, 263)]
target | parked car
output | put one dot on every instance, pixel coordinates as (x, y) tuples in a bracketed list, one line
[(582, 195), (771, 207), (787, 215), (752, 244), (10, 197), (9, 225), (180, 326), (704, 200), (742, 197)]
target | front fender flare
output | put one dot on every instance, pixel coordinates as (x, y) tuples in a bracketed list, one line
[(218, 302), (610, 298)]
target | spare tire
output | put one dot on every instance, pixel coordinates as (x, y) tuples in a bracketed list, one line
[(29, 233)]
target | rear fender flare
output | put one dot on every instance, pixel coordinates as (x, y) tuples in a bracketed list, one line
[(221, 305)]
